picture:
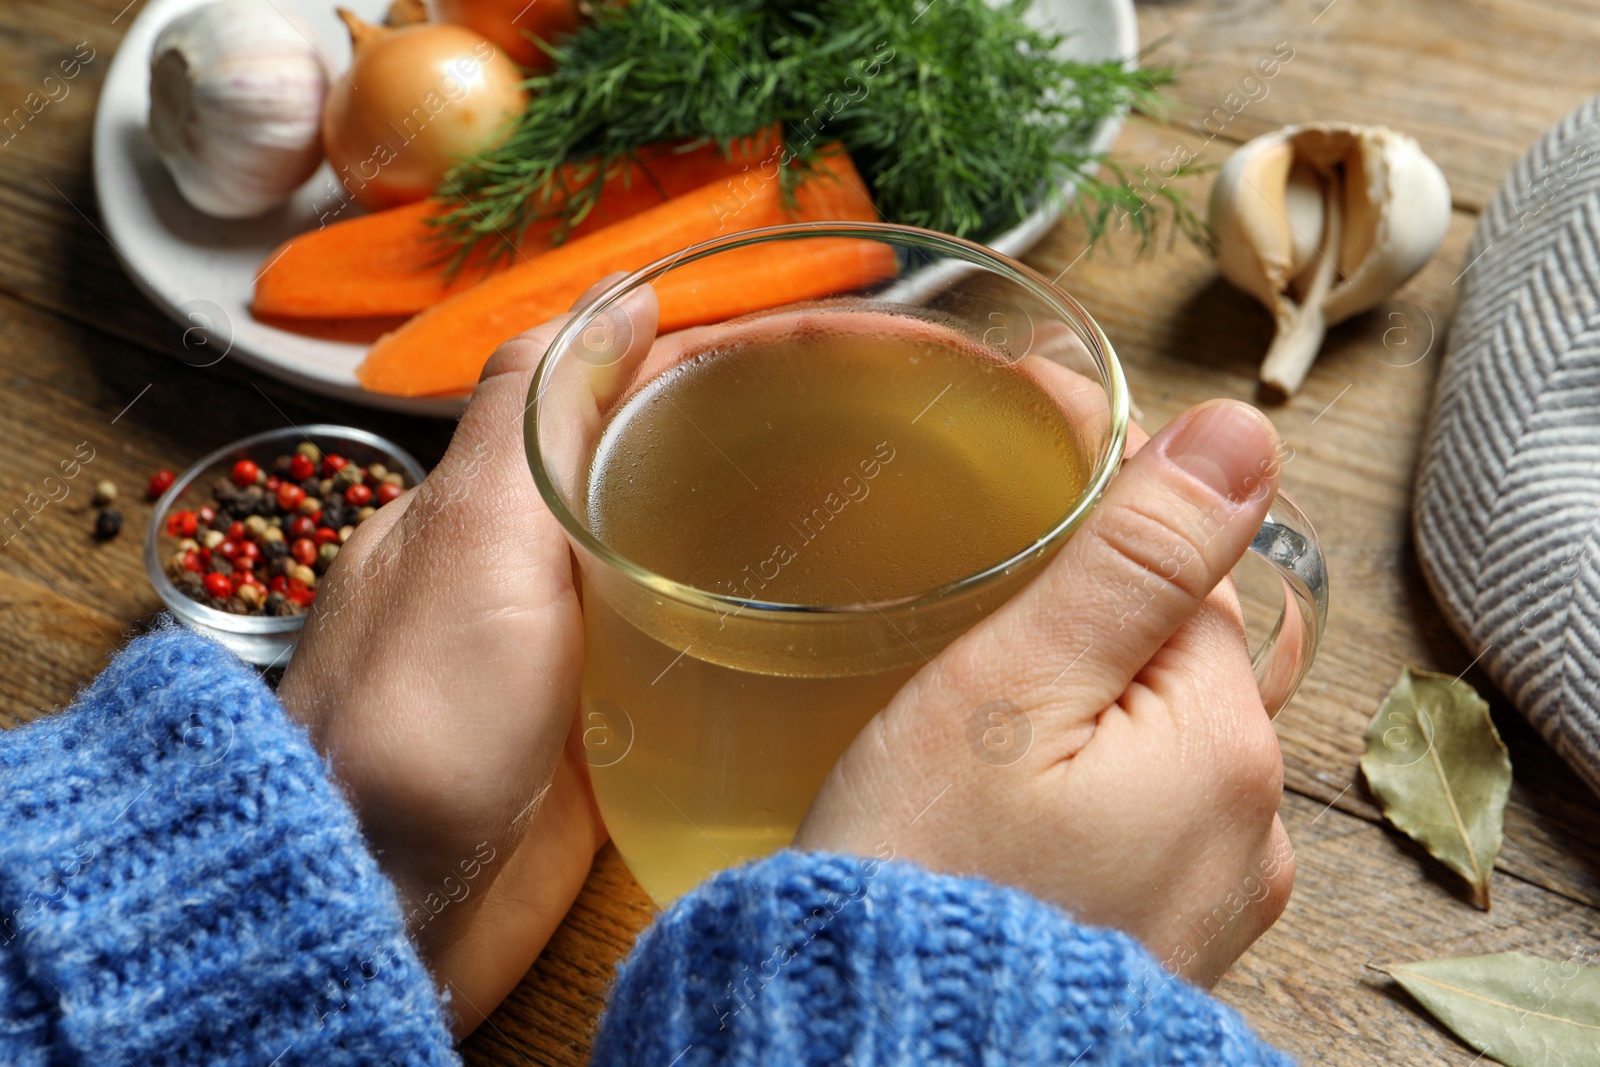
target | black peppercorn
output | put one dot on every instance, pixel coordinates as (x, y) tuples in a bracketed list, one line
[(107, 524)]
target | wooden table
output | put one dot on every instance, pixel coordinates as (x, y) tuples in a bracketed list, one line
[(85, 358)]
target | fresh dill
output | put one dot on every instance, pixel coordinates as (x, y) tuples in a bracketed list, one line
[(959, 115)]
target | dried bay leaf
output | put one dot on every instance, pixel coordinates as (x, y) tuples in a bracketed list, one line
[(1441, 773), (1523, 1011)]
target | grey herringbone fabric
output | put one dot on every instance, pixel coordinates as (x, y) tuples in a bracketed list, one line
[(1508, 493)]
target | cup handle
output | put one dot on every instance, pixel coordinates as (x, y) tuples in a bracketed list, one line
[(1287, 541)]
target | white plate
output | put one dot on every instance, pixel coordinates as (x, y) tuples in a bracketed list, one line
[(201, 270)]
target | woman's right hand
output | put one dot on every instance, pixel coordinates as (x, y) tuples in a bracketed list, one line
[(1100, 740)]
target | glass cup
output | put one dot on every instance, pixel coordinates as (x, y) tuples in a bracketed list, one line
[(710, 719)]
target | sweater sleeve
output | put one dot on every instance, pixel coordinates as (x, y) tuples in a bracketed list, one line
[(181, 883), (822, 959)]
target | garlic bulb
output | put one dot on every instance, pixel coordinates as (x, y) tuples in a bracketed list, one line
[(1320, 222), (236, 94)]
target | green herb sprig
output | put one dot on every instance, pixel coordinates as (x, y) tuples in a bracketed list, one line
[(959, 115)]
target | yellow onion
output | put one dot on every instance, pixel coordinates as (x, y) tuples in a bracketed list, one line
[(415, 101)]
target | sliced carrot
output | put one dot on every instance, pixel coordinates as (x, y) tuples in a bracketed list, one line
[(443, 349), (385, 264), (767, 275)]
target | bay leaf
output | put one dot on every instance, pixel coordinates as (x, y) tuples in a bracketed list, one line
[(1521, 1010), (1441, 773)]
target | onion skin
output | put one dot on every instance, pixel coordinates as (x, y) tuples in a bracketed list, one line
[(508, 22), (415, 101)]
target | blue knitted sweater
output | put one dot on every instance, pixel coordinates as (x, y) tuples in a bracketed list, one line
[(182, 884)]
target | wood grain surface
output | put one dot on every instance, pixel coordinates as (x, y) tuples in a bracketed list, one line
[(83, 358)]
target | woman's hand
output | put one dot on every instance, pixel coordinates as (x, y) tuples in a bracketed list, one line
[(439, 674), (1100, 740)]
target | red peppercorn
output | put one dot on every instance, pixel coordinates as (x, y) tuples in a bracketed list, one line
[(302, 596), (218, 585), (358, 496), (304, 551), (191, 561), (388, 493), (228, 550), (290, 495), (205, 556), (249, 552), (206, 515), (160, 482), (243, 566), (332, 464), (182, 524), (301, 467), (245, 472), (301, 526), (236, 531), (324, 536), (273, 482), (279, 584)]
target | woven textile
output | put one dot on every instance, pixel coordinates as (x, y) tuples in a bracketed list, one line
[(1508, 494), (181, 884), (814, 960)]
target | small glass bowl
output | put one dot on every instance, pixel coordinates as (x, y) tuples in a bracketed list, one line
[(265, 640)]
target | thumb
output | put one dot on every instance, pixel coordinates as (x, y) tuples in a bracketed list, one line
[(1170, 527), (489, 437)]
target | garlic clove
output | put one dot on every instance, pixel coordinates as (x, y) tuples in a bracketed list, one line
[(1254, 246), (236, 94), (1414, 199), (1321, 222), (1303, 210)]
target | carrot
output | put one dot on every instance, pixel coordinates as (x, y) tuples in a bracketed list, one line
[(508, 23), (443, 349), (767, 275), (384, 263)]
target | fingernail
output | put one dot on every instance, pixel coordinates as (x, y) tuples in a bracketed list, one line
[(1228, 446)]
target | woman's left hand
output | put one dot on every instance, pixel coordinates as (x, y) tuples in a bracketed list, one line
[(439, 674)]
